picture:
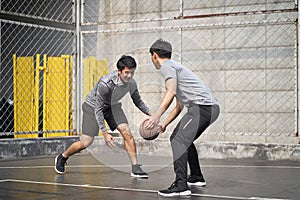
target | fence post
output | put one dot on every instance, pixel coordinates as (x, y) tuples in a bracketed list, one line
[(297, 76), (36, 92), (78, 68), (15, 88)]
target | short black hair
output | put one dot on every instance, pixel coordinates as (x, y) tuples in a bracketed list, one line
[(126, 61), (162, 48)]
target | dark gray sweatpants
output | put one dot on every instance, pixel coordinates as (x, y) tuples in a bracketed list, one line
[(189, 128)]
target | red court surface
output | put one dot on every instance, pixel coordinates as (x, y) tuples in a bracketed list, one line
[(89, 178)]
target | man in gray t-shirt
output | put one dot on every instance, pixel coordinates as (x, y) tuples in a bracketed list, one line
[(191, 89), (102, 103), (202, 110)]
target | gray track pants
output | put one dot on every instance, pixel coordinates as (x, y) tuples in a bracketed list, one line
[(190, 127)]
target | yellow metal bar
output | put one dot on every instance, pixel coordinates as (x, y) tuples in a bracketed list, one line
[(45, 94), (71, 96), (67, 65), (36, 93), (86, 76), (15, 88), (93, 71), (24, 91)]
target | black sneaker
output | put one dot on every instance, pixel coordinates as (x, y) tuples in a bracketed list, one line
[(138, 172), (60, 163), (176, 189), (196, 180)]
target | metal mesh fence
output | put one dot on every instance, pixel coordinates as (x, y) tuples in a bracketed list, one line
[(36, 71), (54, 10), (246, 52)]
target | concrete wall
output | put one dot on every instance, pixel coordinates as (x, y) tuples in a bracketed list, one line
[(20, 148), (248, 61)]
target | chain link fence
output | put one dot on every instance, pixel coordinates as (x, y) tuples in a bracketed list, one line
[(246, 52), (36, 72)]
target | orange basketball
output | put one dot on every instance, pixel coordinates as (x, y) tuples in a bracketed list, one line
[(149, 134)]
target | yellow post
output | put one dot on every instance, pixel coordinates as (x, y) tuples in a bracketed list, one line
[(67, 65), (45, 92), (71, 95), (36, 93), (15, 88), (86, 74)]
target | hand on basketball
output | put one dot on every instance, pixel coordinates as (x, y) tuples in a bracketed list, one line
[(109, 139), (153, 121)]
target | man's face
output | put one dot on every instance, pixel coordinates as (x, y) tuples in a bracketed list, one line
[(126, 74), (154, 57)]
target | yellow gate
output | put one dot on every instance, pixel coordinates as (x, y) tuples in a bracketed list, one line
[(24, 99), (55, 92), (57, 96), (93, 70)]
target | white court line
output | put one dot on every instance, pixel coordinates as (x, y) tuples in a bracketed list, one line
[(132, 189), (207, 166), (253, 166)]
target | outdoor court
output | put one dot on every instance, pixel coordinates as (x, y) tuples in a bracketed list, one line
[(88, 178)]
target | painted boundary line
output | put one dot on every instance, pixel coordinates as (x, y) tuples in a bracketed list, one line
[(207, 166), (130, 189)]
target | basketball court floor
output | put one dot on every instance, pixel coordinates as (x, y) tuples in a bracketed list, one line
[(89, 177)]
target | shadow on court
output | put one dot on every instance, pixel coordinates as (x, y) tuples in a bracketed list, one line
[(88, 178)]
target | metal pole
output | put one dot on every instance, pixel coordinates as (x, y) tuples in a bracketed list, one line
[(78, 69), (36, 92), (45, 77), (0, 56), (297, 74), (15, 89), (0, 52), (180, 31), (181, 8)]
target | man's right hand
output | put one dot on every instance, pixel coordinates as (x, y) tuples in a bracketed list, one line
[(109, 139), (153, 120)]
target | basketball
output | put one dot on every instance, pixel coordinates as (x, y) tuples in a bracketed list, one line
[(149, 134)]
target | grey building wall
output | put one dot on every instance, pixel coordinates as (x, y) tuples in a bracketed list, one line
[(244, 51)]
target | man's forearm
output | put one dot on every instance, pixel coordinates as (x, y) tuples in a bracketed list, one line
[(175, 112), (165, 103)]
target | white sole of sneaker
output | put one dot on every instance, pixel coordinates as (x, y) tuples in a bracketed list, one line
[(201, 184), (184, 193), (138, 176), (59, 172)]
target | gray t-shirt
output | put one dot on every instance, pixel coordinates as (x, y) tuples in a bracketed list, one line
[(108, 91), (191, 89)]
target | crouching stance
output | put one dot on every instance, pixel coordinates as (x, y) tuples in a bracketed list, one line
[(102, 103)]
